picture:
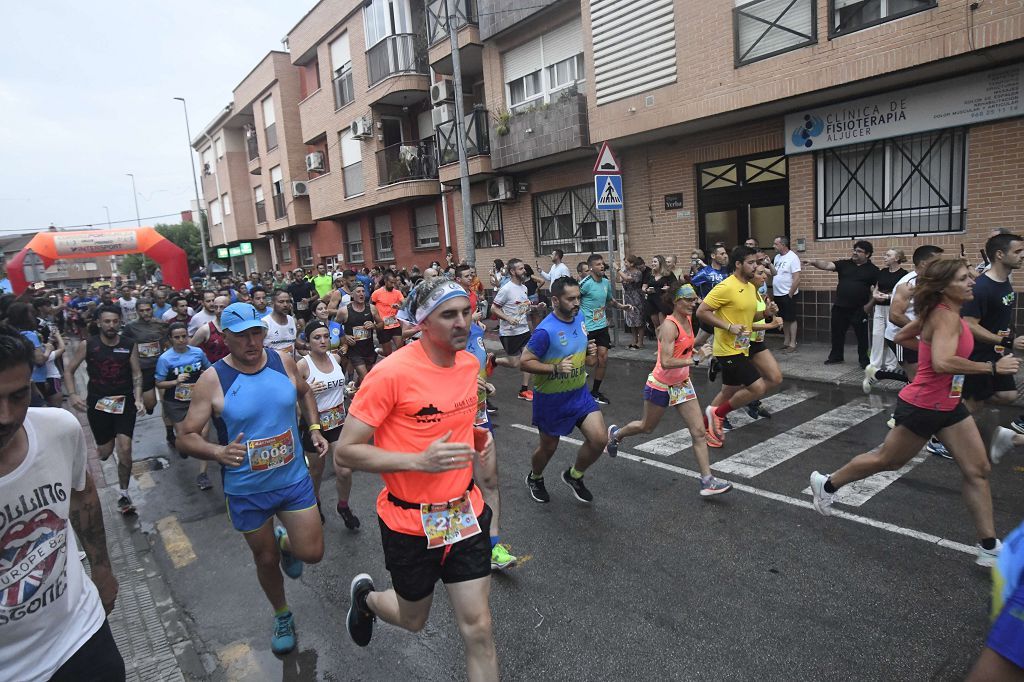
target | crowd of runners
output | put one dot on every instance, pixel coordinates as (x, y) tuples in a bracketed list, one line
[(277, 377)]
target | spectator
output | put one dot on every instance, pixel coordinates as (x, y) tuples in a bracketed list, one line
[(857, 275), (785, 286), (632, 279), (881, 356)]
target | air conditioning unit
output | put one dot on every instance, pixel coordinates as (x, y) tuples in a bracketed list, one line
[(361, 129), (442, 91), (443, 113), (501, 189), (300, 188), (315, 162)]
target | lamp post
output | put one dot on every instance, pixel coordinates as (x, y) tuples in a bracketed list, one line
[(138, 223), (108, 217), (195, 184)]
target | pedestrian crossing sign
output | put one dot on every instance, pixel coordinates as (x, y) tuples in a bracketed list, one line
[(608, 190)]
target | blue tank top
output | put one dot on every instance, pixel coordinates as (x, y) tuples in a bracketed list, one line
[(261, 406)]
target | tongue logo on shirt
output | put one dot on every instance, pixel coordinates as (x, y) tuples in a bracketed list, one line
[(28, 553)]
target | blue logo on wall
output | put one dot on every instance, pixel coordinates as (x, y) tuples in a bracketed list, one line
[(805, 134)]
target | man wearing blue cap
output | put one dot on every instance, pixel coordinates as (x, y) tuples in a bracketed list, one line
[(260, 455)]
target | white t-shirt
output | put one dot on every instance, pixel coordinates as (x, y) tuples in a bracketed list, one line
[(515, 304), (557, 271), (280, 336), (128, 313), (200, 319), (785, 266), (49, 608), (172, 313), (910, 279)]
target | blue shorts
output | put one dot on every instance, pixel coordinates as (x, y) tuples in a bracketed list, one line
[(655, 396), (249, 512), (1006, 637), (557, 414)]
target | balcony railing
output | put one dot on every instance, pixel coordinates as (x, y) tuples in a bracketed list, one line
[(280, 209), (261, 212), (401, 162), (344, 91), (271, 131), (463, 12), (402, 53), (252, 147), (478, 139)]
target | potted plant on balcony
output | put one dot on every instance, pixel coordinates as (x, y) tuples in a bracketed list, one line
[(502, 118)]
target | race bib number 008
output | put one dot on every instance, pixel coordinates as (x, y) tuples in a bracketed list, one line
[(269, 453)]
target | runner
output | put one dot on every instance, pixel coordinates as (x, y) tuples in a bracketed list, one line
[(931, 403), (206, 314), (53, 616), (596, 293), (320, 369), (341, 295), (281, 330), (359, 321), (259, 301), (322, 281), (669, 386), (115, 378), (761, 357), (387, 300), (1003, 655), (704, 280), (128, 304), (320, 314), (730, 308), (418, 407), (258, 436), (556, 353), (148, 335), (177, 371), (511, 307), (179, 312), (302, 292)]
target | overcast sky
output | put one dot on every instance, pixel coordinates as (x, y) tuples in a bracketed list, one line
[(86, 95)]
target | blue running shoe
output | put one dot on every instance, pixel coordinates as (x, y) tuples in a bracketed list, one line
[(291, 566), (613, 445), (283, 640), (935, 447)]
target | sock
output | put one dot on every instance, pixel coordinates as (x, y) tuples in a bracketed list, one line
[(577, 475), (283, 611), (597, 385), (988, 543), (705, 479), (342, 504), (494, 541), (123, 491), (522, 388), (723, 409), (536, 477), (829, 488)]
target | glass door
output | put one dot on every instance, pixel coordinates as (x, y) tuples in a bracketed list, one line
[(742, 198)]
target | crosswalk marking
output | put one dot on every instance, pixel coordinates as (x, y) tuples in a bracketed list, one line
[(783, 447), (677, 441), (857, 493)]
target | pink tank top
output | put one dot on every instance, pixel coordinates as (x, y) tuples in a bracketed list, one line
[(683, 348), (931, 390)]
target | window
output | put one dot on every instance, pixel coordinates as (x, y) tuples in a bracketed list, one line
[(765, 28), (565, 73), (425, 230), (208, 165), (218, 146), (261, 206), (225, 202), (215, 213), (354, 241), (277, 192), (305, 249), (269, 122), (525, 90), (487, 229), (351, 163), (853, 15), (341, 65), (540, 68), (286, 248), (568, 220), (385, 18), (904, 186), (383, 244), (635, 51)]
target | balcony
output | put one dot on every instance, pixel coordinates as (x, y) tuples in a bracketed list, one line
[(280, 207), (529, 138), (464, 13), (403, 162), (478, 146), (261, 212), (395, 55)]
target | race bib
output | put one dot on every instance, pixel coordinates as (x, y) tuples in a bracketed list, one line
[(149, 349), (183, 392), (742, 341), (390, 321), (956, 387), (361, 333), (481, 415), (449, 522), (269, 453), (333, 418), (598, 314), (111, 404), (757, 336), (681, 393)]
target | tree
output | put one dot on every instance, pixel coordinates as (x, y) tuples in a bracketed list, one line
[(185, 235)]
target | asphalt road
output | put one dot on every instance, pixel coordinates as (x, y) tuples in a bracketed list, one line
[(651, 581)]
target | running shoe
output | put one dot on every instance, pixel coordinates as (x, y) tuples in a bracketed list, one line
[(613, 444), (936, 448), (489, 364), (526, 395), (600, 397), (869, 379), (1002, 442), (291, 566), (500, 558), (726, 424), (988, 557), (203, 481), (714, 422), (578, 489), (360, 617), (713, 369), (491, 407), (1018, 424), (762, 411), (538, 492), (891, 422), (283, 640), (125, 506), (350, 519), (713, 486), (712, 440), (822, 500)]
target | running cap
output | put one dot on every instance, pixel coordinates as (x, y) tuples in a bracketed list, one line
[(685, 291), (415, 313), (238, 317)]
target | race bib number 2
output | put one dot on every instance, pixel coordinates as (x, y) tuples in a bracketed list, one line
[(270, 453), (450, 522)]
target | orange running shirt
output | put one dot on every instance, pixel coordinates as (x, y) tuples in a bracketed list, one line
[(411, 402), (383, 300)]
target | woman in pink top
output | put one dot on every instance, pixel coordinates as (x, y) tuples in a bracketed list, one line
[(669, 386), (931, 403)]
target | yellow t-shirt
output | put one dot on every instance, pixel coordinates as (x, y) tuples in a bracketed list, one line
[(736, 303)]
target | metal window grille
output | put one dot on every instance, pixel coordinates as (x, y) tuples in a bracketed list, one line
[(765, 28), (488, 231), (569, 220)]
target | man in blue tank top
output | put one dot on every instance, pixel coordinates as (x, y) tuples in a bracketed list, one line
[(251, 396)]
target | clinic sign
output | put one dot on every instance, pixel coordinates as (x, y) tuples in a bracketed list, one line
[(966, 100)]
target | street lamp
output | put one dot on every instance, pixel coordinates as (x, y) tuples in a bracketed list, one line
[(138, 222), (195, 183), (105, 208)]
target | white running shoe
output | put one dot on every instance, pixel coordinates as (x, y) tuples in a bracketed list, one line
[(987, 557), (1002, 442), (869, 379), (822, 500)]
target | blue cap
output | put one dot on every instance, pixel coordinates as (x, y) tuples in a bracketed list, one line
[(238, 317)]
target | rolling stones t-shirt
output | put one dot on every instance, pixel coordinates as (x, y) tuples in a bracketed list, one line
[(49, 608)]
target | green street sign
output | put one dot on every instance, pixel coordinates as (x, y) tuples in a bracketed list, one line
[(246, 248), (235, 251), (222, 253)]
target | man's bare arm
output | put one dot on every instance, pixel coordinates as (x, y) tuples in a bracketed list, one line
[(87, 520)]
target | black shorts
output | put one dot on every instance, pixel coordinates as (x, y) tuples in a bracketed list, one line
[(737, 370), (148, 379), (358, 358), (983, 386), (415, 569), (787, 307), (97, 659), (601, 337), (307, 436), (50, 387), (757, 346), (926, 423), (385, 335), (105, 426), (514, 345), (904, 356)]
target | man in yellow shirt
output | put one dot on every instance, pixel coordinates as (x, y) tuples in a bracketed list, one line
[(730, 308)]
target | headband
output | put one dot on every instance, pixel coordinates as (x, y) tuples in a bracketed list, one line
[(414, 312), (313, 326), (685, 291)]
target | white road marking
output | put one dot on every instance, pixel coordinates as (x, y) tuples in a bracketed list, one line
[(778, 449), (838, 513), (856, 494), (677, 441)]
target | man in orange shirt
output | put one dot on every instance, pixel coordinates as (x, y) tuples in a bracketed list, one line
[(388, 299), (418, 407)]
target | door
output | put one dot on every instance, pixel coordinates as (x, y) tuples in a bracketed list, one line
[(391, 129), (742, 198)]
